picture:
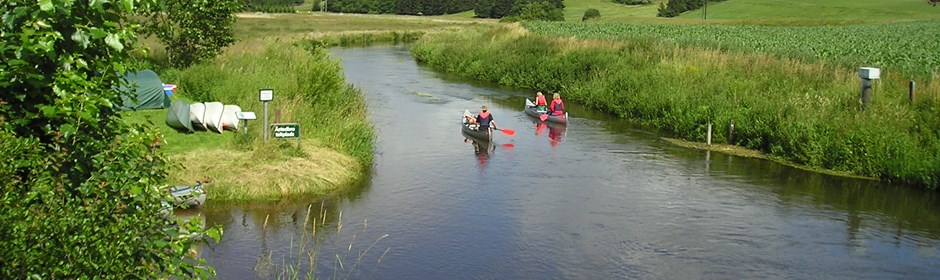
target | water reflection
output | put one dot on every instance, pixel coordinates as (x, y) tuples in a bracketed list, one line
[(481, 150), (556, 131)]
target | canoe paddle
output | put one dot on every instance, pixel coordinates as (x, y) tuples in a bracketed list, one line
[(508, 132), (543, 117)]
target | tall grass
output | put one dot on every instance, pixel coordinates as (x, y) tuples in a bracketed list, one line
[(308, 253), (807, 113), (309, 89)]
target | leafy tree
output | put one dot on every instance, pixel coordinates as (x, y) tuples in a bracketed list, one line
[(493, 8), (80, 194), (536, 10), (193, 30), (591, 13), (674, 8)]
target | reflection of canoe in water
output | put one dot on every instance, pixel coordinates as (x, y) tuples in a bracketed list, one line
[(532, 111), (473, 130), (188, 196)]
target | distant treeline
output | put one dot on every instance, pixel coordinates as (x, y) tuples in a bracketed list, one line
[(401, 7), (271, 6), (673, 8), (482, 8), (503, 8)]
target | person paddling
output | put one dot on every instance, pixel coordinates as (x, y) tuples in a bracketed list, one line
[(540, 104), (557, 107), (485, 119)]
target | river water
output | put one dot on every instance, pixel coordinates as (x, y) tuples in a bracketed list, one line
[(598, 199)]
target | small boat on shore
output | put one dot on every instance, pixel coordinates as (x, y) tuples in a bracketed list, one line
[(188, 196), (473, 130), (531, 110)]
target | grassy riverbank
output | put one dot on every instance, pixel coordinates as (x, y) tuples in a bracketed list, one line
[(284, 52), (801, 111), (336, 145)]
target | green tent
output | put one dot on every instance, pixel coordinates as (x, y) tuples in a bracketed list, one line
[(149, 93)]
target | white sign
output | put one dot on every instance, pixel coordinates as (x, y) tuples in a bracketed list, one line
[(267, 94), (245, 115)]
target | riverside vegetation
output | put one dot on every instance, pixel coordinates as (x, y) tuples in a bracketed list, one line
[(799, 106), (284, 52), (335, 147)]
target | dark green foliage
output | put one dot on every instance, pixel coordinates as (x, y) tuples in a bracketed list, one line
[(81, 190), (808, 114), (541, 10), (402, 7), (493, 8), (633, 2), (272, 6), (193, 31), (591, 13), (673, 8), (274, 9), (518, 10)]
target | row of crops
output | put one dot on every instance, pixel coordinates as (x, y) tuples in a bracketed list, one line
[(910, 47)]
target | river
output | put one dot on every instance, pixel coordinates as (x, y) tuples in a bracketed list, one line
[(598, 199)]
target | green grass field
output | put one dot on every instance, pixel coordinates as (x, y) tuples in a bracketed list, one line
[(817, 11), (772, 12)]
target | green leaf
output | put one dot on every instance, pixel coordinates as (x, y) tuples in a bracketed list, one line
[(80, 38), (215, 233), (45, 5), (67, 130), (114, 41)]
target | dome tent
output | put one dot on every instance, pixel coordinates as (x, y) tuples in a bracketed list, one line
[(148, 94)]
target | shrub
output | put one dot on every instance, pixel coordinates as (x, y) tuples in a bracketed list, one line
[(633, 2), (81, 190), (591, 13), (544, 11)]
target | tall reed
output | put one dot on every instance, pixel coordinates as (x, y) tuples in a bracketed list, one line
[(804, 112)]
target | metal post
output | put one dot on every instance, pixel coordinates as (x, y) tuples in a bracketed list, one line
[(731, 133), (911, 87), (265, 123), (709, 137), (866, 92)]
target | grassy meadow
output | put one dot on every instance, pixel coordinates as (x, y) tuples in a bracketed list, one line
[(818, 12)]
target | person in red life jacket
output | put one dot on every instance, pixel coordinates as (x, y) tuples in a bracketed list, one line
[(557, 107), (540, 103), (485, 119)]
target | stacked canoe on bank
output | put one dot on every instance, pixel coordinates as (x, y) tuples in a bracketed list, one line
[(210, 116)]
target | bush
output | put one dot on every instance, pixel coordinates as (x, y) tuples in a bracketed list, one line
[(544, 11), (591, 13), (674, 8), (81, 190), (633, 2)]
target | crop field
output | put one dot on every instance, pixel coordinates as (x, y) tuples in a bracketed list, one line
[(910, 47)]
